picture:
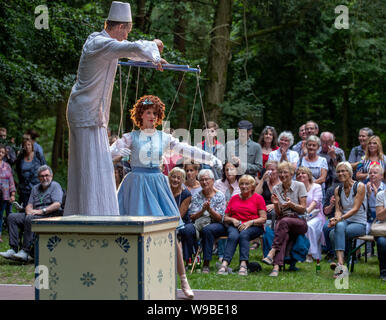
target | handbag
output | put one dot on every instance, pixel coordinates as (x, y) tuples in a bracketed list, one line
[(378, 229)]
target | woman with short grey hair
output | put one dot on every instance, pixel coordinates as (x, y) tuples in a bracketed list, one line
[(286, 140), (317, 164)]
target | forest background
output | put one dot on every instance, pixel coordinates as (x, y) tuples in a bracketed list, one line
[(273, 62)]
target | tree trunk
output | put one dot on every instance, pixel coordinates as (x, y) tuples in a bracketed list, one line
[(219, 57), (180, 105), (58, 146), (141, 14), (345, 124)]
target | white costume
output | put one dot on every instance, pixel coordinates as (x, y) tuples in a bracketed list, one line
[(91, 183)]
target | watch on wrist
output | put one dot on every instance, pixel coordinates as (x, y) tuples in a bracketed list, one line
[(44, 210)]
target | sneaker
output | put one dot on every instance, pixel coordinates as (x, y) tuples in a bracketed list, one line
[(22, 255), (8, 254), (383, 278)]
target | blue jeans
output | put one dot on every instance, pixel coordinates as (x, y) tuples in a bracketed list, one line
[(381, 246), (188, 240), (235, 237), (326, 232), (344, 231), (3, 207), (221, 244), (209, 235)]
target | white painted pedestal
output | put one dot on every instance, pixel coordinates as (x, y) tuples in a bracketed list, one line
[(107, 257)]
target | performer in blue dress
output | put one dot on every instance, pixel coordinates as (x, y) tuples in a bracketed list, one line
[(145, 190)]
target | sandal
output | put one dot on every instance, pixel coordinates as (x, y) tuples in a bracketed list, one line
[(243, 271), (205, 270), (223, 270), (267, 260), (274, 273)]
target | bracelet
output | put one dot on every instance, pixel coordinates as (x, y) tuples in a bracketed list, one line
[(240, 223)]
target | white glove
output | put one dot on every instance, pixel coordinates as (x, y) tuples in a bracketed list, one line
[(125, 152)]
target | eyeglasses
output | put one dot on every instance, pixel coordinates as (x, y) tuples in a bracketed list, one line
[(205, 179), (341, 171), (44, 176)]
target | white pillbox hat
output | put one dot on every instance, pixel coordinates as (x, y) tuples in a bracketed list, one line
[(120, 12)]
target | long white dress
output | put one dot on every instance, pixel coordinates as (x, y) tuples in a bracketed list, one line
[(91, 183)]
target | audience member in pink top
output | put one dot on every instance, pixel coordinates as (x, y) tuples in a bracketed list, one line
[(245, 215), (314, 212), (229, 183)]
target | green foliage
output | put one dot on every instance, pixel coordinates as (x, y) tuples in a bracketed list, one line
[(289, 63)]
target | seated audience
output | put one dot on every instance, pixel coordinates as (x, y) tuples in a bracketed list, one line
[(314, 213), (373, 154), (45, 201), (207, 212), (229, 186), (316, 164), (119, 173), (302, 143), (170, 158), (265, 186), (268, 142), (373, 187), (191, 182), (245, 216), (27, 165), (211, 145), (289, 198), (10, 154), (329, 212), (33, 135), (244, 152), (183, 197), (7, 186), (350, 213), (286, 139), (358, 152), (229, 183), (333, 156), (381, 241)]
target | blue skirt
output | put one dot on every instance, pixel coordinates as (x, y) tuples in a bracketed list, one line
[(146, 192)]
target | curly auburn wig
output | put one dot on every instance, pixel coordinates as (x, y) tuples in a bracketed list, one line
[(140, 107)]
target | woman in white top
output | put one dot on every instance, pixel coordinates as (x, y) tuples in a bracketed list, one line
[(314, 212), (317, 165)]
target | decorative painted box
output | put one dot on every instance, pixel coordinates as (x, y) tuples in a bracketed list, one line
[(105, 257)]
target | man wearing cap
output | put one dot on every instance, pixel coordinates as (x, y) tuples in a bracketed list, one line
[(91, 184), (246, 154)]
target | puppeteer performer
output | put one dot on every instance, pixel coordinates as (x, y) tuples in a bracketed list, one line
[(91, 186)]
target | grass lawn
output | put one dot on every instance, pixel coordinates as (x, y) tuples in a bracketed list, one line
[(13, 272), (364, 280)]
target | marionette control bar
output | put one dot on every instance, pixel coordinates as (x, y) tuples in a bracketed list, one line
[(174, 67)]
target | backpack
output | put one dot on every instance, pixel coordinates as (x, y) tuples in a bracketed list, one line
[(355, 189)]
